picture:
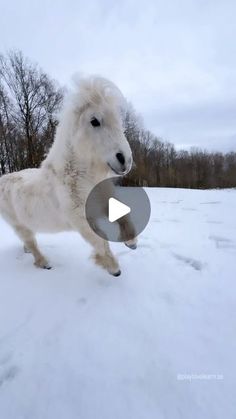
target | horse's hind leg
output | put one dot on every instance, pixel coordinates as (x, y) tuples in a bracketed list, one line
[(31, 246)]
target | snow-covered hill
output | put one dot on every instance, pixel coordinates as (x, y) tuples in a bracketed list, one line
[(156, 343)]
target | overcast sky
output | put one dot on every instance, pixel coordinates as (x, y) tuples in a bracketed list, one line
[(175, 60)]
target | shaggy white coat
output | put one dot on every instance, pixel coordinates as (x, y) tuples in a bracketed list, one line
[(52, 198)]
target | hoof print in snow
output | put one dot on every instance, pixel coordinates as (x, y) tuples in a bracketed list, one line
[(8, 374), (82, 301), (222, 242), (210, 202), (5, 358), (214, 222), (195, 264), (189, 209)]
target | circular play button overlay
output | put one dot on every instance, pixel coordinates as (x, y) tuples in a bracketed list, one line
[(117, 213)]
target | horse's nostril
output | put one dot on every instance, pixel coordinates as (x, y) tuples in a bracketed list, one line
[(120, 158)]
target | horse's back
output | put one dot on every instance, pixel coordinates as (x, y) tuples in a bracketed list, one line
[(31, 198), (11, 183)]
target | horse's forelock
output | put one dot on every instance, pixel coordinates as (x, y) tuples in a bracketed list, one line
[(96, 90)]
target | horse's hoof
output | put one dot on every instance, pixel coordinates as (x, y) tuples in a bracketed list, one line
[(48, 267), (117, 273), (131, 246), (43, 265)]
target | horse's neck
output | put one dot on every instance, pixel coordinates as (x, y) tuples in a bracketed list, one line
[(66, 162)]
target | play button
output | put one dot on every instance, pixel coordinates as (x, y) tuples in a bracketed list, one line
[(117, 213), (116, 210)]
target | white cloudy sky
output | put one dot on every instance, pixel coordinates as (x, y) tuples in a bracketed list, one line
[(174, 59)]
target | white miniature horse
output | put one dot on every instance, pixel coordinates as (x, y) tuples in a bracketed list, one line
[(89, 147)]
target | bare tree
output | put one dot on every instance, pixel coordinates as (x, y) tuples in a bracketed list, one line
[(34, 99)]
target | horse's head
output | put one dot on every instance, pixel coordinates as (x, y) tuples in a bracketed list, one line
[(98, 127)]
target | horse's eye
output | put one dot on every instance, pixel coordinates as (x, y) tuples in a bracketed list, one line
[(95, 122)]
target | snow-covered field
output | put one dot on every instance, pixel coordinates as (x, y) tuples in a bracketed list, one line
[(159, 342)]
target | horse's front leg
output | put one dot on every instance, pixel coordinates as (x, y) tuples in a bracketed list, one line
[(102, 252), (127, 232)]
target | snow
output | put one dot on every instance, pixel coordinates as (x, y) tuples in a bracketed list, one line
[(157, 342)]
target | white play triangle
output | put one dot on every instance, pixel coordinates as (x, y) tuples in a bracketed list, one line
[(117, 209)]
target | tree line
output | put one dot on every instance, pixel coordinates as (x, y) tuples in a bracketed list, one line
[(29, 102), (158, 163)]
